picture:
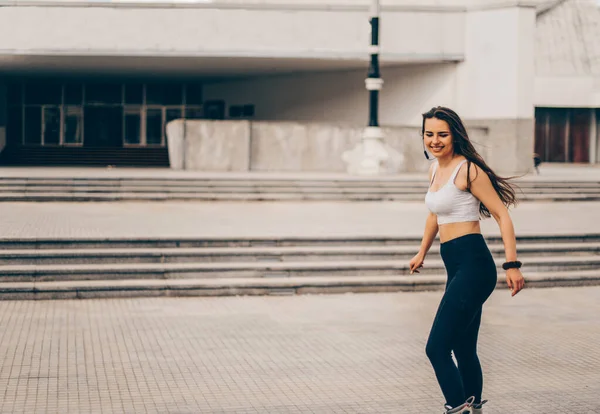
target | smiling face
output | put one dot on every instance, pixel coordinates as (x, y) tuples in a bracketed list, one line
[(438, 138)]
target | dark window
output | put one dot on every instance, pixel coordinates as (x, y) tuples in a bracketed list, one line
[(154, 127), (172, 114), (235, 111), (73, 94), (557, 122), (14, 94), (103, 93), (214, 110), (33, 125), (241, 111), (194, 112), (132, 126), (579, 135), (43, 93), (14, 127), (134, 93), (193, 94), (155, 94), (103, 126), (51, 126), (73, 125), (173, 94), (563, 134), (164, 94)]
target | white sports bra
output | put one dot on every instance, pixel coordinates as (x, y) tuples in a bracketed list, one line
[(449, 203)]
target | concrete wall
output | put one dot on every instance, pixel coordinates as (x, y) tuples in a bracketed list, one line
[(567, 92), (507, 145), (493, 87), (292, 146), (340, 97), (496, 79), (391, 3), (209, 145), (480, 4), (217, 30), (495, 84)]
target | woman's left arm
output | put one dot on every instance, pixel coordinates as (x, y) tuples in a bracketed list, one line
[(482, 188)]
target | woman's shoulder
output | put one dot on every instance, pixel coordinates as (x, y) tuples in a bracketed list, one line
[(468, 166), (467, 172)]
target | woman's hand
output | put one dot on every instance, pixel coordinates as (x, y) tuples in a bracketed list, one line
[(515, 280), (416, 263)]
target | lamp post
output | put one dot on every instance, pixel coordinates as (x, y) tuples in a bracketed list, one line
[(374, 83), (372, 156)]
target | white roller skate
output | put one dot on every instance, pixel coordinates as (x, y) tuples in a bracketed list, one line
[(465, 408)]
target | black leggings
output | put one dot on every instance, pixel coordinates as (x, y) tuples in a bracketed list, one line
[(471, 280)]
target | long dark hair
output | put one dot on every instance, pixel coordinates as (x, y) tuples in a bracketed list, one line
[(463, 146)]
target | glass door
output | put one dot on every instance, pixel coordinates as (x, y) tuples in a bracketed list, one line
[(103, 126)]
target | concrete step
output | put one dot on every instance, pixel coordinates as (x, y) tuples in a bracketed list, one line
[(543, 242), (287, 186), (559, 197), (15, 257), (209, 189), (266, 180), (265, 286), (119, 194), (162, 243), (359, 268), (90, 189), (299, 196)]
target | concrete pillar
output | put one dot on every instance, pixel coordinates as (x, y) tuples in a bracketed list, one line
[(495, 83)]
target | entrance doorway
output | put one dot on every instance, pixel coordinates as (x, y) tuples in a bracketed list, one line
[(564, 134), (103, 126)]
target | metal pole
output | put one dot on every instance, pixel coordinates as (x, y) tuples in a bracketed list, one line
[(372, 156), (374, 82)]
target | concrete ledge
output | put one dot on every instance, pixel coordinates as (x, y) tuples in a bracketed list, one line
[(273, 5), (199, 4), (318, 147)]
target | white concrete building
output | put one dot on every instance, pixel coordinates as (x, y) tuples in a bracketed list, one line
[(567, 84), (97, 82)]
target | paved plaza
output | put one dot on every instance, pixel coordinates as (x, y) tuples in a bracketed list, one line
[(351, 353), (355, 353)]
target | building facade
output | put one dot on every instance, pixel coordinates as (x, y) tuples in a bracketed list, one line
[(567, 85), (97, 82)]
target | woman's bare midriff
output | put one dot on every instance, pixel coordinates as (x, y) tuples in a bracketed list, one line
[(454, 230)]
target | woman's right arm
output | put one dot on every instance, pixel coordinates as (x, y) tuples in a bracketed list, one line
[(431, 226), (431, 230)]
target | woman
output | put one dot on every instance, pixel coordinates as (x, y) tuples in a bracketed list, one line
[(462, 188)]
